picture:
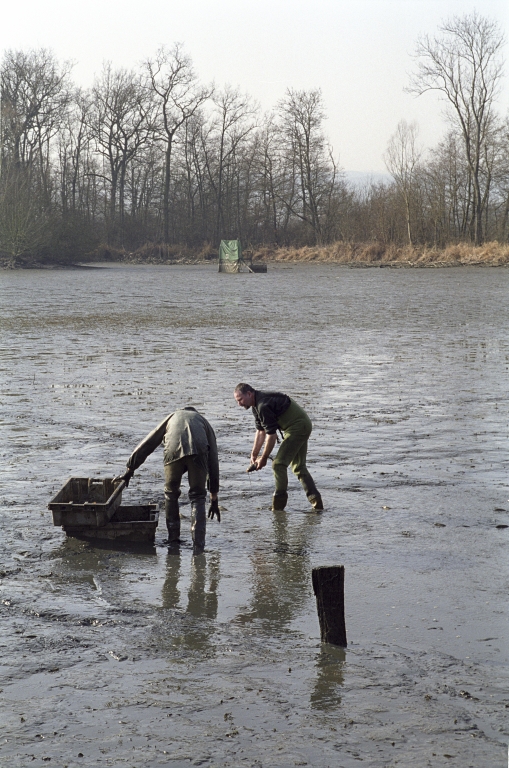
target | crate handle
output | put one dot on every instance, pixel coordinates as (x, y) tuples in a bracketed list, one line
[(120, 487)]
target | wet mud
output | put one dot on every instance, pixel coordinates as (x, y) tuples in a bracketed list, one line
[(144, 656)]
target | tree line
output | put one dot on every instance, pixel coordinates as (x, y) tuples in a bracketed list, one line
[(152, 155)]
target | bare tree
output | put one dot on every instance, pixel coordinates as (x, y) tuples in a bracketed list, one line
[(34, 97), (200, 194), (272, 213), (74, 151), (23, 226), (314, 171), (122, 123), (402, 159), (464, 65), (232, 125), (175, 85), (497, 182)]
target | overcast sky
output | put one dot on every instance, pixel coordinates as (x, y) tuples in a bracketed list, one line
[(357, 51)]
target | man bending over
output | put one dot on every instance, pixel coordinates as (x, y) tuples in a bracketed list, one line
[(273, 411), (189, 446)]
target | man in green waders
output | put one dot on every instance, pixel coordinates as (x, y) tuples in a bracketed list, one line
[(273, 411)]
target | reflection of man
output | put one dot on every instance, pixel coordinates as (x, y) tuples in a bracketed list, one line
[(280, 584), (189, 446), (202, 601), (273, 411)]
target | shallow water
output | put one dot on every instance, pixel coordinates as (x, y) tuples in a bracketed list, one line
[(147, 658)]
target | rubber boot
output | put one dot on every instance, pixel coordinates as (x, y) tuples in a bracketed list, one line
[(312, 493), (198, 525), (316, 502), (279, 501), (171, 510)]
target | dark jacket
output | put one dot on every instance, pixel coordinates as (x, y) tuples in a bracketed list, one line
[(268, 407)]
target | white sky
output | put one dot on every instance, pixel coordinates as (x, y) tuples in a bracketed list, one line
[(356, 51)]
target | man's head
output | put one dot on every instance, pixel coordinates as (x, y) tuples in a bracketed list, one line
[(244, 394)]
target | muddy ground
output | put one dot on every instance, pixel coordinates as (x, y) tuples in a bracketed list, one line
[(125, 657)]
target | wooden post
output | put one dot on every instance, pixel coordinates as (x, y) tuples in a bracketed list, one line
[(329, 589)]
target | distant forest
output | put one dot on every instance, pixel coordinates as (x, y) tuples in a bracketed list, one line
[(152, 156)]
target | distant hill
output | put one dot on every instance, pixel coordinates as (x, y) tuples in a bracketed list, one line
[(360, 178)]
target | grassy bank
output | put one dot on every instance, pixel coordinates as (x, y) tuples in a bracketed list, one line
[(350, 254), (377, 255)]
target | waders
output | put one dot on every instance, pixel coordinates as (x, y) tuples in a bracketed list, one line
[(296, 427)]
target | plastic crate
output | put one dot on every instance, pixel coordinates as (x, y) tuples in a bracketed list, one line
[(87, 501), (134, 523)]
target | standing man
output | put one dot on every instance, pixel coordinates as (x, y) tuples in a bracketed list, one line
[(189, 446), (273, 411)]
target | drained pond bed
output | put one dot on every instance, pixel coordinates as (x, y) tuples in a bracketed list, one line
[(120, 654)]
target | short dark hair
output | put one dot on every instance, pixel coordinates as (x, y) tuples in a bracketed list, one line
[(243, 389)]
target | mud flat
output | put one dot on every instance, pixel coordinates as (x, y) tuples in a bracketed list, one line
[(115, 657)]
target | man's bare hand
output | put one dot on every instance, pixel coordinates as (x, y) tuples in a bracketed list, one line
[(261, 462)]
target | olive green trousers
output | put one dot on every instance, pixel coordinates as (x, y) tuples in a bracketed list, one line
[(296, 427), (196, 468)]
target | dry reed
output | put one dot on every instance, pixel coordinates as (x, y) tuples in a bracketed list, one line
[(371, 254), (379, 254)]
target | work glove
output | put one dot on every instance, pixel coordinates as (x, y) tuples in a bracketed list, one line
[(126, 477), (214, 510)]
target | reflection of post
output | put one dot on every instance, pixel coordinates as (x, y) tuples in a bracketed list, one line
[(326, 694), (329, 589)]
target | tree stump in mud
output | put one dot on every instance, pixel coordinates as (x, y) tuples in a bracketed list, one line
[(329, 589)]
